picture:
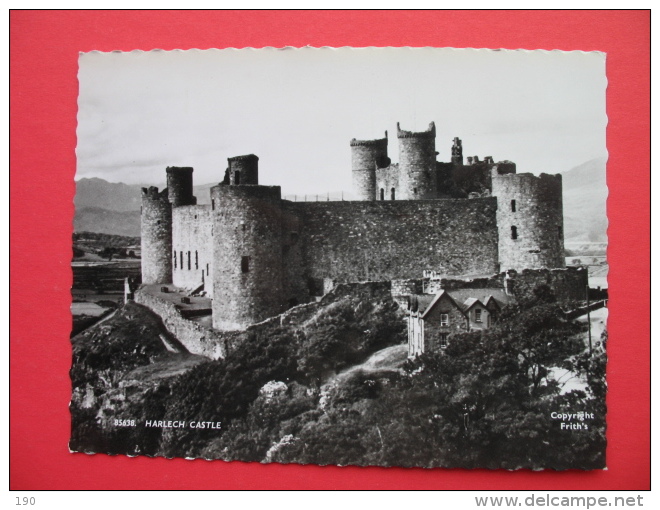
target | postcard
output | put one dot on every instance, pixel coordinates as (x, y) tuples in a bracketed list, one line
[(344, 256)]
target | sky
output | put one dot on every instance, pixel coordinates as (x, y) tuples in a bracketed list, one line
[(298, 109)]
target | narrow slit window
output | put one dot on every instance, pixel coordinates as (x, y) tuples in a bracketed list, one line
[(245, 264), (181, 258), (415, 191), (189, 267), (393, 193), (175, 259), (237, 177), (382, 194), (196, 260), (213, 204), (514, 232), (207, 269), (513, 206), (559, 231)]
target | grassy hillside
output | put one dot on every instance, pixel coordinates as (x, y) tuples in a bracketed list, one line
[(585, 198), (484, 402)]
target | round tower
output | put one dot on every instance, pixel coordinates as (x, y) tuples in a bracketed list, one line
[(180, 185), (417, 164), (530, 221), (156, 240), (248, 272), (366, 156), (243, 170)]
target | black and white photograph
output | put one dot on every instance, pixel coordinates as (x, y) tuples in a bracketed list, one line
[(342, 256)]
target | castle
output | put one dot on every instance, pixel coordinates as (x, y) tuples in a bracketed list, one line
[(256, 255)]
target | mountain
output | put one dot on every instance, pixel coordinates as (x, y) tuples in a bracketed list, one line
[(585, 198), (97, 219), (114, 208), (114, 196)]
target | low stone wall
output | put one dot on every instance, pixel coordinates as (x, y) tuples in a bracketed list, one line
[(194, 337), (216, 344), (568, 284)]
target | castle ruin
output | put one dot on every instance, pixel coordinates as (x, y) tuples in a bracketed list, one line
[(256, 255)]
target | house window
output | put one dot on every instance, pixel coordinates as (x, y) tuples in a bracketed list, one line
[(175, 259), (382, 194), (414, 191), (477, 315), (237, 177), (514, 232), (393, 193), (196, 260), (189, 261), (513, 206), (245, 264), (443, 340), (444, 319)]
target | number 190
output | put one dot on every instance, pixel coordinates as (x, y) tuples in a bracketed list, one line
[(25, 501)]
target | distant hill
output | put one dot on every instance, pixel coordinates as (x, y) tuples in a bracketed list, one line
[(96, 219), (113, 196), (114, 208), (585, 198)]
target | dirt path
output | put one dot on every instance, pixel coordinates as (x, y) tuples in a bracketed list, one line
[(390, 358)]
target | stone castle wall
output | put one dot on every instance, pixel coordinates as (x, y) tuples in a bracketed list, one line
[(387, 179), (568, 284), (180, 185), (530, 219), (194, 337), (192, 247), (156, 242), (366, 156), (248, 272), (358, 241), (418, 178)]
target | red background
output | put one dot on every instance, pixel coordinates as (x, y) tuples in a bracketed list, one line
[(43, 86)]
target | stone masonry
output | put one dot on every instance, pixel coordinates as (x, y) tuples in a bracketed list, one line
[(257, 255)]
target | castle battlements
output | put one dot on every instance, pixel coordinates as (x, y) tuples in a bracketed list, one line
[(429, 133), (256, 255)]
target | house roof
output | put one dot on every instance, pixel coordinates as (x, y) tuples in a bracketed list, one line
[(463, 299), (470, 302), (436, 299), (483, 295)]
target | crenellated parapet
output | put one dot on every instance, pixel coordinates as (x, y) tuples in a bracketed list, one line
[(152, 193), (429, 133)]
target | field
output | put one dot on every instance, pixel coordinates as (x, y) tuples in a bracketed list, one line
[(98, 289)]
